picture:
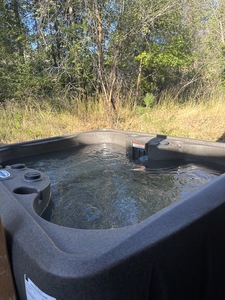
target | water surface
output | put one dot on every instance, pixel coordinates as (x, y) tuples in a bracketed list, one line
[(97, 186)]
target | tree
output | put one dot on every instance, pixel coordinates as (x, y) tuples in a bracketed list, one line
[(12, 48), (113, 49)]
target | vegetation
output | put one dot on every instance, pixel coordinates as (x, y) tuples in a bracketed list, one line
[(118, 50), (103, 62), (203, 120)]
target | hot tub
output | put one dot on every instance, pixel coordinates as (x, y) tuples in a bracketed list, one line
[(175, 253)]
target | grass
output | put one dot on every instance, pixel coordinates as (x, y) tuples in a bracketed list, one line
[(34, 120)]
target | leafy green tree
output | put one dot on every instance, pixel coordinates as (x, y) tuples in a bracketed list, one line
[(114, 49), (11, 51), (167, 56)]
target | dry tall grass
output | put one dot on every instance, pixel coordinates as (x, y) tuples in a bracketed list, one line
[(32, 120)]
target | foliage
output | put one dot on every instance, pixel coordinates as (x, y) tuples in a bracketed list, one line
[(110, 50), (149, 100)]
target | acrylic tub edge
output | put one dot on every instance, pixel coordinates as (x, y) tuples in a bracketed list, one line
[(134, 243)]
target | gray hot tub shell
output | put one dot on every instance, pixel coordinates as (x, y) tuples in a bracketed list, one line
[(178, 253)]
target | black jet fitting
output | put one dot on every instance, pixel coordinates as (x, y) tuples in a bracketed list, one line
[(33, 176), (18, 166)]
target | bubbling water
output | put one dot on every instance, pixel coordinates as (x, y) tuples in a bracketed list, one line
[(98, 187)]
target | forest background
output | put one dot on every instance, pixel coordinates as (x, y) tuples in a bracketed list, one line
[(147, 65)]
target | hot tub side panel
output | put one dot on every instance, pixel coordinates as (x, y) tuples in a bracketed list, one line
[(176, 254)]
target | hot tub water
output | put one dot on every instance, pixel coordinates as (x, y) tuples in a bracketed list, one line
[(98, 187)]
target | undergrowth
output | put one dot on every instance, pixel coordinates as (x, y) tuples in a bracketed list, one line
[(203, 119)]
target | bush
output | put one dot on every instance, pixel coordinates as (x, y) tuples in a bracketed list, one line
[(149, 100)]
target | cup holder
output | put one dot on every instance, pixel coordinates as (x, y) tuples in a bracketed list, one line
[(24, 191)]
